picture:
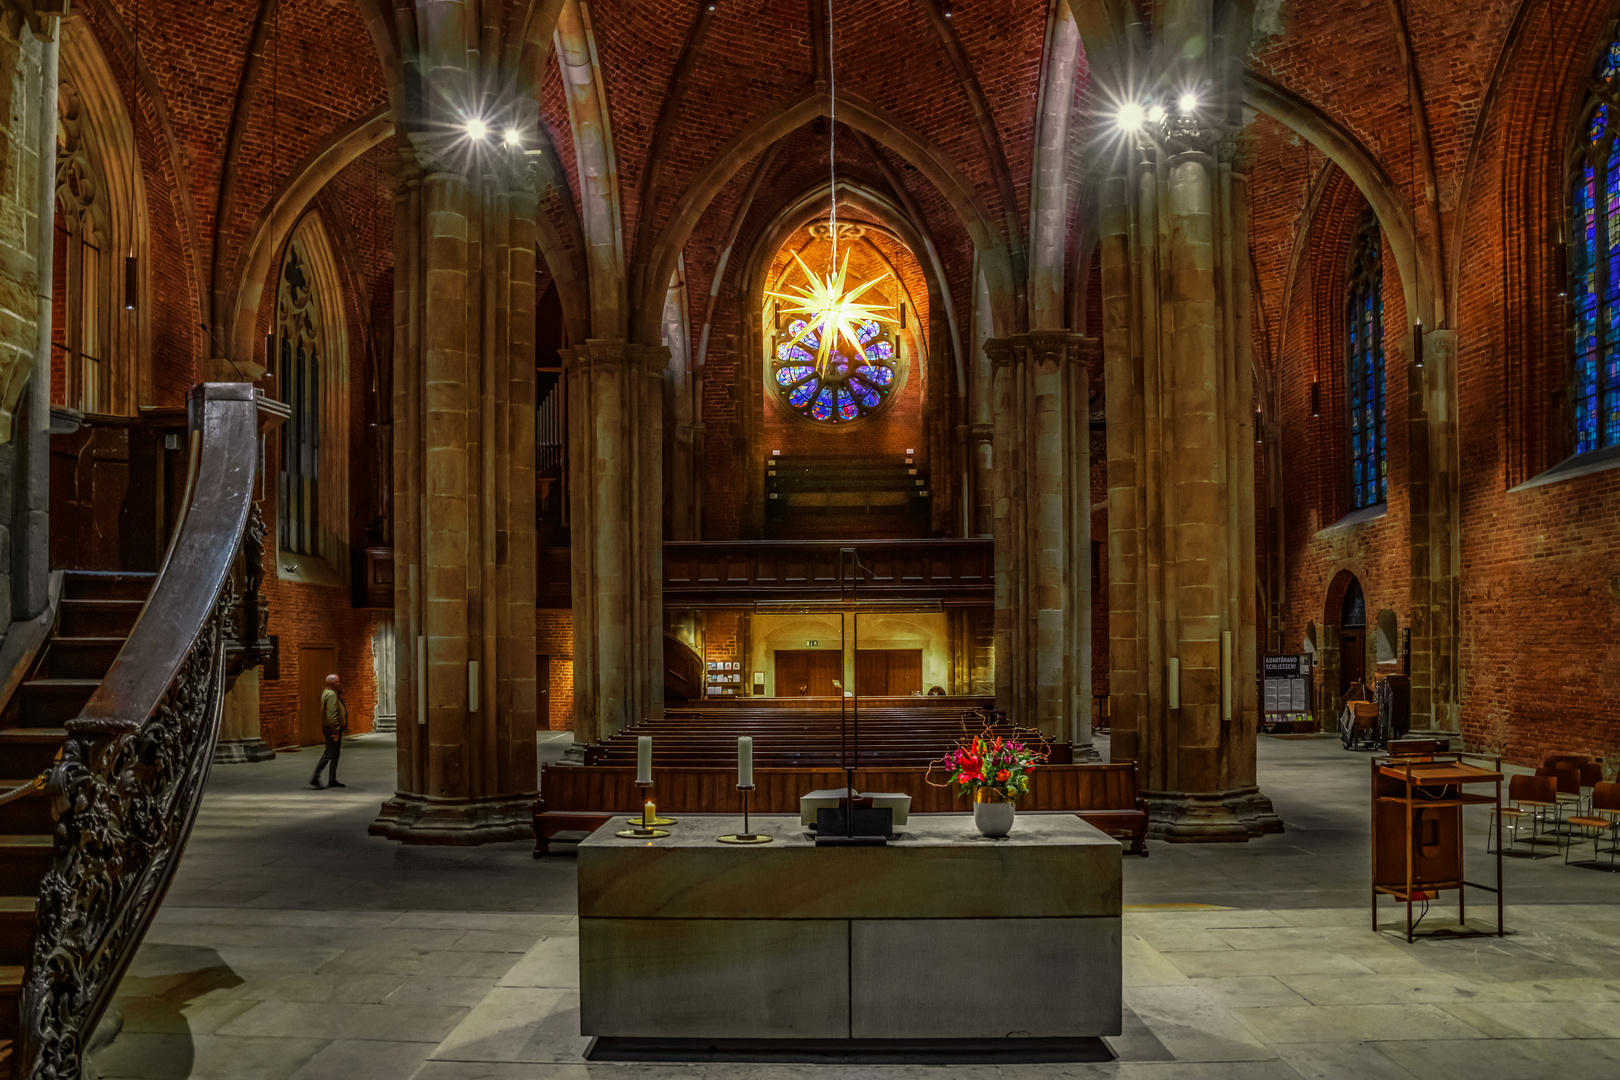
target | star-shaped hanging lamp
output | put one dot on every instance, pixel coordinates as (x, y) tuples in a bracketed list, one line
[(827, 306)]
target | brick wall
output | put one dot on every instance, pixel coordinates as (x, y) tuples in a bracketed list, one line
[(554, 638)]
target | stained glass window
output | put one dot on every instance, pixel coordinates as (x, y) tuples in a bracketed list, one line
[(850, 387), (298, 348), (1594, 253), (1364, 368)]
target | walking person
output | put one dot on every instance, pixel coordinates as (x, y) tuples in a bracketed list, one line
[(334, 722)]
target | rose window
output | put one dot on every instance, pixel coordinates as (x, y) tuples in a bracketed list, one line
[(848, 387)]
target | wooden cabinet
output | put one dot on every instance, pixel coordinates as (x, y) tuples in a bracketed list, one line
[(1417, 830)]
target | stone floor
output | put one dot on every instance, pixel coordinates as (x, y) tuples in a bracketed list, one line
[(294, 946)]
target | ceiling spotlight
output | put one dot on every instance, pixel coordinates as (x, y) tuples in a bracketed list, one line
[(1155, 114), (945, 9), (1187, 103), (1129, 117), (477, 129), (513, 137)]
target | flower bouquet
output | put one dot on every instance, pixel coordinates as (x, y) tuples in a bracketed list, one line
[(996, 770)]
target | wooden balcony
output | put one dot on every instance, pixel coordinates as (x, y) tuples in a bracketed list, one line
[(732, 571)]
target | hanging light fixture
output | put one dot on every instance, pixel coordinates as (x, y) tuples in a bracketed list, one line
[(1316, 397), (132, 273), (830, 307), (1417, 343)]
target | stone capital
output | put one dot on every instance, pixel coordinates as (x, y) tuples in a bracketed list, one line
[(981, 433), (1054, 346), (999, 350)]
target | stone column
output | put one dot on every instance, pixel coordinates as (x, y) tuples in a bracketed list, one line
[(615, 406), (979, 439), (1042, 523), (1436, 551), (464, 503), (1181, 486)]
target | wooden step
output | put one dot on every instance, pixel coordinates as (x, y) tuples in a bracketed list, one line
[(30, 813), (106, 585), (80, 657), (52, 702), (29, 751), (11, 979), (24, 860), (17, 921), (98, 618)]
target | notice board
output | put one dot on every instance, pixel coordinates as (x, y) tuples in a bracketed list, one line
[(1286, 685)]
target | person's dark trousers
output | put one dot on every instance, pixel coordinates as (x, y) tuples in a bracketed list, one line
[(334, 749)]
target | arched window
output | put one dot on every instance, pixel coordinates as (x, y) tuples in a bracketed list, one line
[(101, 239), (312, 376), (1364, 366), (1594, 252)]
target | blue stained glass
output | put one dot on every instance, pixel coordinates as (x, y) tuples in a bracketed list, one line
[(1600, 123), (846, 405), (876, 374), (880, 350), (864, 394), (1595, 285), (786, 353), (789, 376), (802, 394), (866, 331), (1365, 405), (823, 407), (1611, 61)]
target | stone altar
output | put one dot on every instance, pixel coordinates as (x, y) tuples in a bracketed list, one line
[(685, 937)]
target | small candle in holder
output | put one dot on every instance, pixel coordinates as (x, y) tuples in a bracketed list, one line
[(644, 759), (650, 812), (745, 761)]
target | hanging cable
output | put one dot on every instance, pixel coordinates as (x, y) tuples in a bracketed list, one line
[(832, 139)]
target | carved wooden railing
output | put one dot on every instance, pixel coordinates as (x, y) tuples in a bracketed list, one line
[(126, 788)]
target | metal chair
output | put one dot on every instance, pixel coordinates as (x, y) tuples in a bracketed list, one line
[(1604, 818), (1528, 796), (1568, 780), (1591, 777)]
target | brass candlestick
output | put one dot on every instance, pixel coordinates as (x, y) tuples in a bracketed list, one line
[(747, 836), (642, 828)]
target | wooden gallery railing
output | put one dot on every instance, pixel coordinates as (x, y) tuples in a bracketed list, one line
[(126, 788)]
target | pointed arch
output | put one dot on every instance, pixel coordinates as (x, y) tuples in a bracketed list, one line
[(101, 207), (647, 280), (312, 375)]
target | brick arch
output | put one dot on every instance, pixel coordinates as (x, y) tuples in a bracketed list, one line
[(269, 232), (788, 116)]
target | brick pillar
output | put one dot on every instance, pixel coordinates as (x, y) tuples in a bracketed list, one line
[(616, 410), (1181, 485), (464, 506), (1042, 524)]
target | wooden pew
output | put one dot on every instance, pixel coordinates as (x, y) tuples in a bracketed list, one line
[(578, 799)]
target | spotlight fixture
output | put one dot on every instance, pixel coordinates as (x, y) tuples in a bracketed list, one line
[(1417, 343), (1187, 103), (945, 9), (513, 137), (131, 281), (1316, 397), (1155, 114), (1561, 267), (711, 5), (1130, 116), (1259, 428), (477, 129)]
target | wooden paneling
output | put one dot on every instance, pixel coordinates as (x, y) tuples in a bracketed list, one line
[(888, 672), (807, 672), (315, 663)]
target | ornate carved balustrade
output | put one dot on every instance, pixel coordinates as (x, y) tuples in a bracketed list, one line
[(702, 571), (130, 777)]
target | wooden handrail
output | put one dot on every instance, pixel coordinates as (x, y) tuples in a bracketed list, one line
[(126, 789)]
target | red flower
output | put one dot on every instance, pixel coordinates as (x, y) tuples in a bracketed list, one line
[(1001, 777)]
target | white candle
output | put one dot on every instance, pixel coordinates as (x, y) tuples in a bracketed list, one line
[(745, 761), (644, 759)]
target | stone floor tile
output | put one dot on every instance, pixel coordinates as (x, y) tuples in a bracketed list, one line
[(1181, 939), (1192, 1026), (494, 941), (1249, 991), (356, 1059), (1342, 1061), (441, 990), (1425, 988), (347, 987), (505, 1070), (519, 1024), (1508, 1059), (139, 1056), (1542, 1019), (1145, 966), (167, 1016), (1218, 965), (391, 1023), (1354, 1023), (552, 961)]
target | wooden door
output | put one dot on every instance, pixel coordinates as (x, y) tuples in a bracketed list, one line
[(1352, 658), (807, 672), (315, 663), (888, 672)]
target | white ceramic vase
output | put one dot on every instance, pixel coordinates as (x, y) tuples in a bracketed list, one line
[(993, 814)]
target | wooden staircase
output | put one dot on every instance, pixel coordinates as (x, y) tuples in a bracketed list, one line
[(94, 618)]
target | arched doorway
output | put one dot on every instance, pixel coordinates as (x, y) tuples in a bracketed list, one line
[(1352, 637)]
